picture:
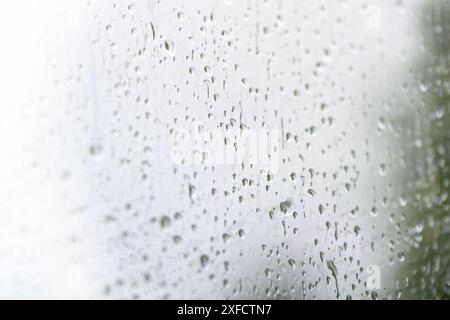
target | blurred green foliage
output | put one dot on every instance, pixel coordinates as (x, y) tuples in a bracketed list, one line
[(426, 274)]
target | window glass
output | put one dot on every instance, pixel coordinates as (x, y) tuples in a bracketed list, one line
[(275, 149)]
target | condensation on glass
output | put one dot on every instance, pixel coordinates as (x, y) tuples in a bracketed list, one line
[(273, 149)]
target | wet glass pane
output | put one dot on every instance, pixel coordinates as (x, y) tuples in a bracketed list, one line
[(274, 149)]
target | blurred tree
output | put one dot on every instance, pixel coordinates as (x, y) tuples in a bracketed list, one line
[(426, 274)]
